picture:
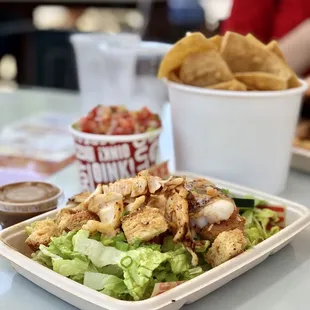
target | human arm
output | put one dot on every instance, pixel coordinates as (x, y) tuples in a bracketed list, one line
[(296, 46)]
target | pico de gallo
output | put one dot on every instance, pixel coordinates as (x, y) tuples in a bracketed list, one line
[(117, 120)]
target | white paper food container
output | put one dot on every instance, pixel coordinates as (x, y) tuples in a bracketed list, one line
[(240, 136), (12, 244)]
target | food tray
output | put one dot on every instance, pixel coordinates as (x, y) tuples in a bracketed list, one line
[(301, 159), (12, 247)]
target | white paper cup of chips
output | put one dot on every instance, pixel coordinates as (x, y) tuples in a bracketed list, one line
[(240, 136), (107, 158)]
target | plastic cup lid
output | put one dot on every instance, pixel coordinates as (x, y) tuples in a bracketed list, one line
[(23, 197)]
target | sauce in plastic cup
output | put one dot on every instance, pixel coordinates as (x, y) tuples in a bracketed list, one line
[(23, 200), (106, 158)]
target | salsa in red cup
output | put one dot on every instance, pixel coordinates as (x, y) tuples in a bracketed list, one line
[(117, 120), (113, 143)]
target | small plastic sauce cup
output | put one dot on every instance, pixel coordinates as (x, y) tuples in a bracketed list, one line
[(23, 200)]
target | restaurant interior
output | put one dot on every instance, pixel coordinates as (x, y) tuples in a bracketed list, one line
[(201, 106)]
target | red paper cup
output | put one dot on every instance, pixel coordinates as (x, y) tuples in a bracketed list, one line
[(103, 158)]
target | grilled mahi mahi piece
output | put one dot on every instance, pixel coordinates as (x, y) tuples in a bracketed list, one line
[(211, 211)]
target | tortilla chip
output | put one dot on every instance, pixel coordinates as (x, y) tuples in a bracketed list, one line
[(261, 80), (274, 47), (230, 85), (196, 42), (254, 40), (293, 82), (217, 40), (242, 55), (204, 69), (173, 76)]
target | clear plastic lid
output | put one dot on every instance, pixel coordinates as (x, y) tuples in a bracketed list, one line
[(29, 197)]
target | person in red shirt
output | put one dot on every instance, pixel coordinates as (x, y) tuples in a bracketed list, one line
[(287, 21)]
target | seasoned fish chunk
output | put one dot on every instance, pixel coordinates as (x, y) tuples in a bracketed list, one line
[(135, 203), (69, 219), (211, 231), (104, 228), (158, 201), (109, 207), (42, 233), (211, 211), (144, 224), (227, 245), (79, 198), (207, 204), (177, 213)]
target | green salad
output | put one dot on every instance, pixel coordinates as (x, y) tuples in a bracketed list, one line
[(127, 238), (260, 224)]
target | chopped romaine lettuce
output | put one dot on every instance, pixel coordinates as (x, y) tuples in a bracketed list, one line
[(192, 273), (42, 259), (97, 253), (99, 281), (113, 270), (138, 266), (63, 246), (256, 225), (65, 267), (202, 248), (70, 267), (120, 243), (180, 261), (170, 245)]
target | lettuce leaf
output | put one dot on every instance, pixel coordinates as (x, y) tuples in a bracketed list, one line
[(115, 268), (120, 243), (99, 282), (256, 225), (42, 259), (63, 246), (67, 267), (169, 245), (138, 266), (96, 252), (180, 261), (192, 273)]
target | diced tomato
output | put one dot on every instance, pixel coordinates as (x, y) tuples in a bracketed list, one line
[(93, 113), (144, 113), (88, 125), (117, 120)]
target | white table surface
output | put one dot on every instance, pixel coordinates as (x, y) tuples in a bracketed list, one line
[(280, 282)]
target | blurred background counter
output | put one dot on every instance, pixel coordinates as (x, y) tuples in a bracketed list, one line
[(34, 45)]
